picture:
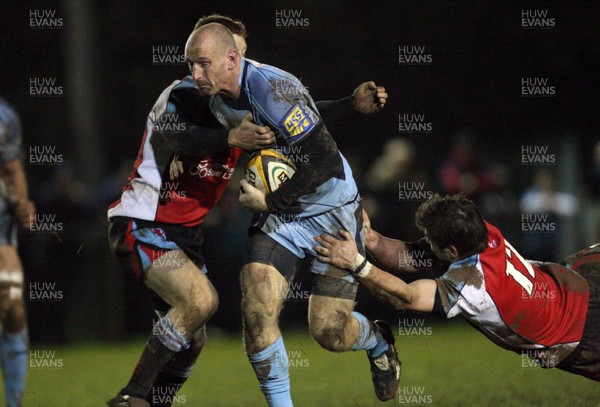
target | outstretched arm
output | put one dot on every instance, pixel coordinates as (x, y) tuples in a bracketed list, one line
[(395, 255), (367, 98), (416, 296)]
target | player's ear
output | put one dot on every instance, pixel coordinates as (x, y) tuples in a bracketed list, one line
[(232, 58), (452, 252)]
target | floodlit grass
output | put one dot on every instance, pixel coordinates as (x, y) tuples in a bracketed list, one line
[(452, 366)]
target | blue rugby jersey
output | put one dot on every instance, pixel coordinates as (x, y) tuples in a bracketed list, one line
[(10, 149), (279, 100)]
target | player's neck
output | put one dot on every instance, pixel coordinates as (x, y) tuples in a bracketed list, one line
[(233, 88)]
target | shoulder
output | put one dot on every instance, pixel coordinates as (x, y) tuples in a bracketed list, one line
[(463, 272), (185, 91), (269, 76)]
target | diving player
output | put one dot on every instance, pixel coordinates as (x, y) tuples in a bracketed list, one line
[(184, 163), (547, 311), (15, 209), (321, 197)]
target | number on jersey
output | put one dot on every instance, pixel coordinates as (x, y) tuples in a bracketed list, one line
[(512, 270)]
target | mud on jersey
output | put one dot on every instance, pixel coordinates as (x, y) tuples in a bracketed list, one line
[(535, 309), (149, 193), (279, 100)]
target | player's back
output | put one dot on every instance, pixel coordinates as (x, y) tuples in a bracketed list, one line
[(519, 304), (538, 300), (149, 193)]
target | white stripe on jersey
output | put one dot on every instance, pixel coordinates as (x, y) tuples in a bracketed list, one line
[(142, 200)]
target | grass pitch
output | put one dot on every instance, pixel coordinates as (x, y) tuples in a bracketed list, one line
[(448, 365)]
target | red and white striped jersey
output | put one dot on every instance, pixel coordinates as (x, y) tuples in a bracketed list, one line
[(537, 309), (149, 193)]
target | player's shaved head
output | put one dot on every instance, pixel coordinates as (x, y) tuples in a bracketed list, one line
[(214, 59), (213, 38)]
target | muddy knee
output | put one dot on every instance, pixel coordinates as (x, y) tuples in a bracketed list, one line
[(329, 336), (329, 323)]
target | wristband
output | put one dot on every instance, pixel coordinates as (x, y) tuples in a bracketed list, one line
[(358, 262), (364, 271), (360, 267)]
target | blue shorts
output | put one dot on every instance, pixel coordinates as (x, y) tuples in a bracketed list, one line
[(293, 238)]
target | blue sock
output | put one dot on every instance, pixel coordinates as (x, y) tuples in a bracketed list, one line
[(271, 367), (369, 337), (14, 365)]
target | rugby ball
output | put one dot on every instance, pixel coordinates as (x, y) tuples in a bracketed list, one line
[(268, 169)]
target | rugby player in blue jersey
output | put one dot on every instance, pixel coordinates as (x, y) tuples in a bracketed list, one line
[(15, 209), (148, 226), (321, 197)]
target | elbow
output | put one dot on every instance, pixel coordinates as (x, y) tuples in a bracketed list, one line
[(334, 167), (400, 305), (404, 302)]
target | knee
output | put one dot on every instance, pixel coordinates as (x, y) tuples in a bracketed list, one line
[(203, 306), (329, 329), (329, 337)]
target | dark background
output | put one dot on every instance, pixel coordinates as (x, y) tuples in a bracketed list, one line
[(480, 52)]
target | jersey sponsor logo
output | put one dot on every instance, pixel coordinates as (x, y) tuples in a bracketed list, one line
[(205, 168), (297, 122)]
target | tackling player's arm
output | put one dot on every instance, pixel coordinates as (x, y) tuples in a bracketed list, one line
[(367, 98), (194, 132), (395, 255), (416, 296)]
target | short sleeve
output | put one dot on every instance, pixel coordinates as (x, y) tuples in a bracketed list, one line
[(459, 288), (282, 102)]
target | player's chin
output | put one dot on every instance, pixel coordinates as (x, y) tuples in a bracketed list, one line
[(207, 90)]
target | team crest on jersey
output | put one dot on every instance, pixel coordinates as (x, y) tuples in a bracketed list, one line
[(296, 122), (159, 233)]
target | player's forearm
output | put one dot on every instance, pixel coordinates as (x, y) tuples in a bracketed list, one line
[(196, 141), (322, 162), (334, 112), (388, 288), (393, 254)]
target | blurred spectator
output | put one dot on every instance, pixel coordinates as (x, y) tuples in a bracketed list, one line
[(500, 206), (591, 213), (394, 190), (542, 208), (463, 170)]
